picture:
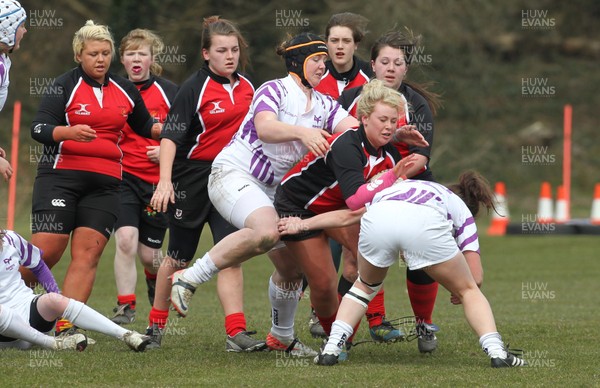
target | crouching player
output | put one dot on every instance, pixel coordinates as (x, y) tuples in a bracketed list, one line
[(434, 229), (25, 317)]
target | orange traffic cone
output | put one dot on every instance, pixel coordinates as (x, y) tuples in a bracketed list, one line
[(561, 211), (544, 213), (500, 216), (595, 216)]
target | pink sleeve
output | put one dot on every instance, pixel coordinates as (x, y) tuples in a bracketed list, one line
[(367, 191)]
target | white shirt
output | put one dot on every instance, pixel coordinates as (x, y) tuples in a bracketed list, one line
[(440, 198), (4, 79), (269, 162), (16, 251)]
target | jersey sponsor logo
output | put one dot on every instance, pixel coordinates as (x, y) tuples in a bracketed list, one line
[(243, 187), (82, 110), (216, 108), (58, 202), (154, 241), (9, 265), (178, 214)]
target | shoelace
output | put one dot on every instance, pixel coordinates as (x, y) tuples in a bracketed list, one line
[(405, 324)]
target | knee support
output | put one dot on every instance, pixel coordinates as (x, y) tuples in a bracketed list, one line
[(361, 297)]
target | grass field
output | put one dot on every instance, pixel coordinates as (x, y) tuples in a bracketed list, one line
[(544, 292)]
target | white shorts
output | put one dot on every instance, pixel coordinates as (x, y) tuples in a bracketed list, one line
[(236, 194), (420, 233), (23, 310)]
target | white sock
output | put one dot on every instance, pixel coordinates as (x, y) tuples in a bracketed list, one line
[(492, 345), (340, 332), (89, 319), (202, 271), (14, 326), (283, 309)]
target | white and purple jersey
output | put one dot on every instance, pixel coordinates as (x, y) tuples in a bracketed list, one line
[(443, 200), (16, 251), (268, 162), (4, 79)]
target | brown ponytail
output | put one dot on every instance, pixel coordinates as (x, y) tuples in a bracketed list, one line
[(474, 190)]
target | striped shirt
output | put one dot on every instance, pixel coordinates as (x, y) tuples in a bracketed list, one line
[(16, 251), (269, 162)]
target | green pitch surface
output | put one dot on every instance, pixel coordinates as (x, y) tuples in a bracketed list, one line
[(545, 293)]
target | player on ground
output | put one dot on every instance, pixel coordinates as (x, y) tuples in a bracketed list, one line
[(25, 317)]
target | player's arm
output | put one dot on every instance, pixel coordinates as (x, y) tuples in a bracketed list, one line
[(345, 124), (271, 130), (333, 219)]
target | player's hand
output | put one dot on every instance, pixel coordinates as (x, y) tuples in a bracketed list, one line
[(454, 299), (290, 225), (153, 153), (403, 166), (82, 133), (408, 134), (163, 194), (2, 153), (156, 130), (6, 170), (316, 141)]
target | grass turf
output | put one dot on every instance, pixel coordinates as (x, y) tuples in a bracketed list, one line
[(543, 290)]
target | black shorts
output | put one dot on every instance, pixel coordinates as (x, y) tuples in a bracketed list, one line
[(286, 208), (35, 320), (192, 209), (135, 211), (67, 199)]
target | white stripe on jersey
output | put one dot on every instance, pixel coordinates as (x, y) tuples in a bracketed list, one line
[(270, 162)]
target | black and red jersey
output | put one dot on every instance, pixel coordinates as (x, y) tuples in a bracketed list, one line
[(206, 113), (418, 114), (333, 83), (323, 183), (158, 94), (76, 99)]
